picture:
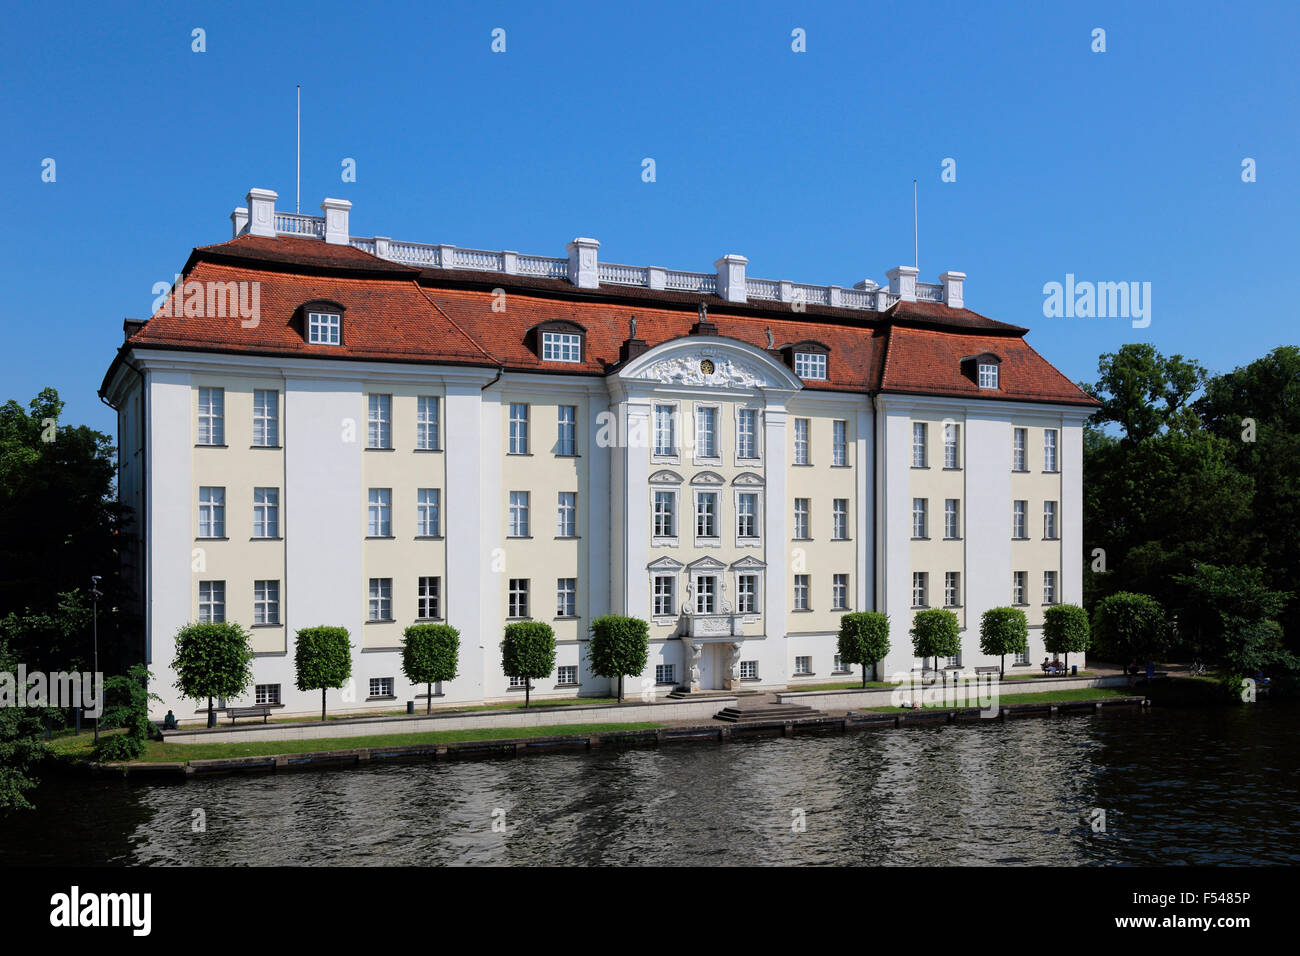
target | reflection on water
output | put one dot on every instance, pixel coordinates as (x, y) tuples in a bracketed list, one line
[(1194, 786)]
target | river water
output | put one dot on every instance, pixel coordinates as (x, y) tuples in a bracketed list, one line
[(1178, 785)]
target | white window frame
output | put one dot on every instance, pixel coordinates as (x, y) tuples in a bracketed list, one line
[(266, 695), (802, 441), (212, 607), (749, 670), (379, 421), (266, 418), (428, 598), (379, 605), (839, 592), (566, 514), (748, 434), (569, 671), (266, 512), (674, 515), (665, 427), (951, 445), (561, 347), (518, 598), (323, 328), (748, 591), (839, 443), (1019, 588), (381, 688), (379, 513), (714, 415), (212, 511), (518, 519), (988, 375), (952, 519), (1019, 519), (566, 597), (428, 415), (211, 425), (840, 519), (920, 589), (1051, 460), (920, 443), (665, 674), (708, 539), (810, 366), (428, 510), (802, 510), (1051, 532), (920, 518), (705, 598), (803, 665), (756, 517), (801, 599), (1051, 594), (952, 589), (1019, 449), (266, 601), (519, 416), (663, 595), (566, 431)]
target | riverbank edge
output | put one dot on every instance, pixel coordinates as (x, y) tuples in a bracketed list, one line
[(567, 743)]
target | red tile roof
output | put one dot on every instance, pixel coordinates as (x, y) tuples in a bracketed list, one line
[(436, 316)]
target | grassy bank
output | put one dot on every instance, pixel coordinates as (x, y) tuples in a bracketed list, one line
[(1046, 697), (78, 748)]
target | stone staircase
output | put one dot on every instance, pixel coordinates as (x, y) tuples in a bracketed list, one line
[(766, 713)]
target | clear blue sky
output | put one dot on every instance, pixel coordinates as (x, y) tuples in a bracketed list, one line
[(1115, 166)]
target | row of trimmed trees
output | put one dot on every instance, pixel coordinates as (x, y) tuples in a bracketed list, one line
[(936, 632), (215, 659)]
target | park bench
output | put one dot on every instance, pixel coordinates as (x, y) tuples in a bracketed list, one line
[(980, 671), (262, 710)]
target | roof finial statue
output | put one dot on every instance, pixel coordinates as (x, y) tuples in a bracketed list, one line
[(631, 328), (704, 312), (770, 342)]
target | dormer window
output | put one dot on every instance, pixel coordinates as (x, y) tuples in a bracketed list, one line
[(810, 365), (984, 370), (323, 328), (988, 375), (561, 347)]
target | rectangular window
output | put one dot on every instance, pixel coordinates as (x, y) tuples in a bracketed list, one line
[(266, 602), (566, 515), (1021, 657), (427, 436), (747, 515), (919, 588), (665, 431), (266, 512), (379, 424), (518, 514), (323, 328), (381, 687), (951, 445), (1049, 450), (951, 518), (665, 674), (919, 523), (839, 443), (212, 602), (212, 512), (955, 660), (267, 694), (665, 602), (810, 365), (838, 665), (429, 605), (988, 376), (266, 418), (840, 519), (749, 670), (747, 433), (839, 592), (802, 592), (706, 432), (802, 666), (518, 428), (802, 519), (706, 514), (705, 587), (566, 675), (1049, 519), (212, 416), (517, 682), (428, 512), (1018, 586), (951, 589), (918, 444), (517, 603), (1018, 436), (747, 593), (1049, 587), (801, 450), (665, 523), (561, 347), (1019, 529), (566, 597), (380, 513), (381, 599), (566, 443)]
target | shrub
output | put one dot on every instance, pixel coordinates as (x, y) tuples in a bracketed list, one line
[(1065, 630), (213, 659), (430, 654), (864, 639), (528, 651), (936, 633), (1003, 631), (1128, 625), (322, 659), (619, 646)]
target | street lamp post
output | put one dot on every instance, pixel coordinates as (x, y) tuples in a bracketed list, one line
[(95, 595)]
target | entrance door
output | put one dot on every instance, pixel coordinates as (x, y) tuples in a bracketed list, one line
[(710, 672)]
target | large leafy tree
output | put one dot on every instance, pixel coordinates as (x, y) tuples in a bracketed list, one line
[(864, 639), (213, 659), (1228, 616), (322, 659), (1065, 630), (430, 655), (1003, 631), (528, 652), (936, 633), (619, 646), (22, 746)]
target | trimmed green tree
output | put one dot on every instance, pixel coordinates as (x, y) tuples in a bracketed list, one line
[(1128, 625), (864, 639), (1065, 630), (619, 646), (430, 654), (1003, 631), (936, 633), (528, 652), (322, 659), (213, 659)]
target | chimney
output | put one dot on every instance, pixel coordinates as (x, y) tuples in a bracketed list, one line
[(731, 277), (952, 289), (261, 212), (239, 222), (902, 282), (582, 263), (336, 221)]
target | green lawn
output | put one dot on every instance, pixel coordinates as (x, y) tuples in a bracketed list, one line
[(851, 685), (158, 752), (1039, 675), (1046, 697)]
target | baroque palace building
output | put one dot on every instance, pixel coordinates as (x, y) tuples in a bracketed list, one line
[(316, 428)]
